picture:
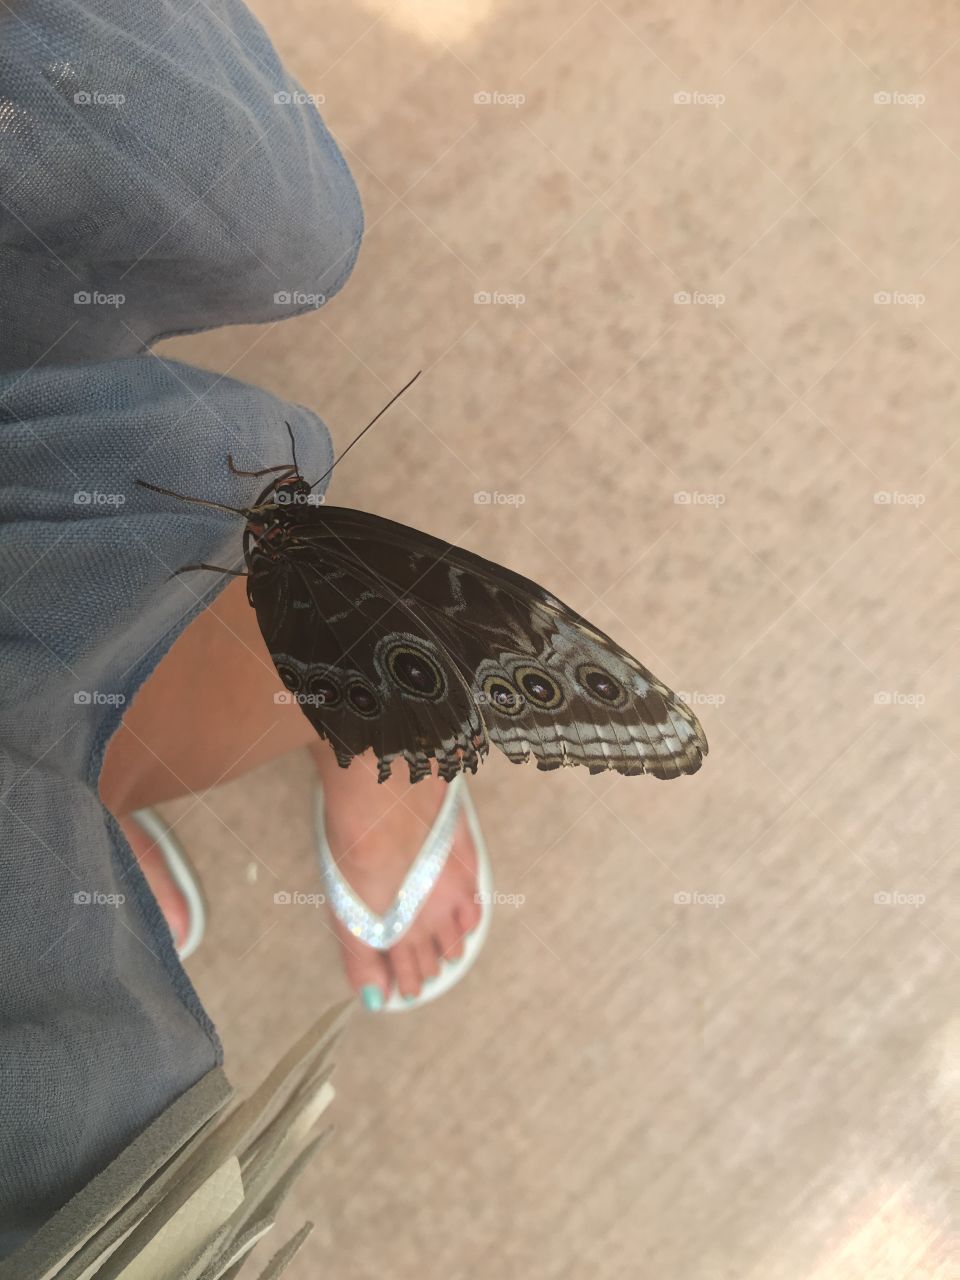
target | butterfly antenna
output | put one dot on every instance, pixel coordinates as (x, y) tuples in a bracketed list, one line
[(293, 446), (366, 428)]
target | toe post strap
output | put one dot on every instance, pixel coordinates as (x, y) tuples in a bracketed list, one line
[(385, 931)]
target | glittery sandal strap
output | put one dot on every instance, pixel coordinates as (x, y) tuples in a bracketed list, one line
[(384, 932)]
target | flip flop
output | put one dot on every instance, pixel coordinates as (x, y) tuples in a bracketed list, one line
[(384, 931), (181, 872)]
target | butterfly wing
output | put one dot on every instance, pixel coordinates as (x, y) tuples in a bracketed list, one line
[(361, 664), (514, 660)]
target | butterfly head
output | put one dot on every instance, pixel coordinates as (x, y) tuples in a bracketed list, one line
[(287, 496), (279, 510)]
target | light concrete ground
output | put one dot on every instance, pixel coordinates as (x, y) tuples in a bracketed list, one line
[(632, 1082)]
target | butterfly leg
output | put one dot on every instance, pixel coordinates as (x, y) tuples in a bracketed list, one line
[(264, 471), (184, 497)]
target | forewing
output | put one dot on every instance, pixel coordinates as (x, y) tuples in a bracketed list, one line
[(363, 666), (546, 682)]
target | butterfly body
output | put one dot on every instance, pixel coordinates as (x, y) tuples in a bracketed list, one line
[(393, 640)]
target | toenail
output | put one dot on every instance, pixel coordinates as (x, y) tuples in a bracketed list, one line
[(409, 999), (372, 998)]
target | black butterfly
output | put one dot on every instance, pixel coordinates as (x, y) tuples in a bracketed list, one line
[(392, 639)]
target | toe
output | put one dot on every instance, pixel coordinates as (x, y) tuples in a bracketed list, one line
[(468, 915), (405, 963), (448, 941), (429, 960), (367, 972)]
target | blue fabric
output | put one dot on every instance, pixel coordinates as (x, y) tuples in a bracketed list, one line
[(203, 201)]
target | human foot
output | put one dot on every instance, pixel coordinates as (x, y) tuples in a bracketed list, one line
[(375, 831)]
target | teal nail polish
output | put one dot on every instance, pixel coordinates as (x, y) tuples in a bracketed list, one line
[(409, 999), (372, 998)]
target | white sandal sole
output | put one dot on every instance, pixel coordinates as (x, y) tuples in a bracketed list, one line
[(182, 874)]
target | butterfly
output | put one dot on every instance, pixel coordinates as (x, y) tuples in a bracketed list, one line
[(395, 641)]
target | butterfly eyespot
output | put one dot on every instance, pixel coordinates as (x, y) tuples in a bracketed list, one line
[(324, 690), (363, 700), (542, 691), (602, 686), (289, 675), (416, 672), (502, 696)]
